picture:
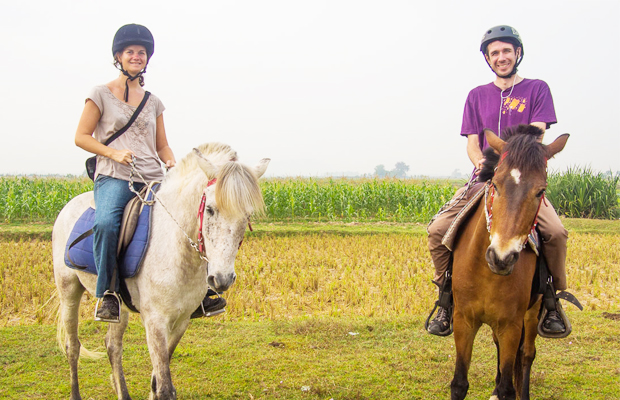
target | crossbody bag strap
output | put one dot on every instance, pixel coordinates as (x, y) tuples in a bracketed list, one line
[(131, 120)]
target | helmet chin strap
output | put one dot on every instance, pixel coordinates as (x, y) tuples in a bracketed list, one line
[(130, 78), (514, 71)]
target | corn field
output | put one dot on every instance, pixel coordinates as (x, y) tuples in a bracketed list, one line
[(38, 199), (577, 193), (583, 193), (385, 199)]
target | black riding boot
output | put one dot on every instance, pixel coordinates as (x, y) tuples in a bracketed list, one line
[(210, 307), (441, 325)]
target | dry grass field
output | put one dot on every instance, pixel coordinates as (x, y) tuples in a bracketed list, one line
[(319, 311), (320, 270)]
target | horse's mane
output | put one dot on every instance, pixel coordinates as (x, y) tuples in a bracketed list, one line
[(521, 151), (237, 192), (216, 153)]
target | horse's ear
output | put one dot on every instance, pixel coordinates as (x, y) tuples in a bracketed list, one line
[(494, 141), (557, 145), (261, 167), (205, 165)]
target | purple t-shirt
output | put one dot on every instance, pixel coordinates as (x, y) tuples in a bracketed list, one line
[(530, 101)]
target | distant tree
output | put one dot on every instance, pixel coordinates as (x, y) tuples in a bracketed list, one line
[(400, 170), (456, 174), (380, 171)]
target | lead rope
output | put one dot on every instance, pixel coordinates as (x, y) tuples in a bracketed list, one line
[(194, 245)]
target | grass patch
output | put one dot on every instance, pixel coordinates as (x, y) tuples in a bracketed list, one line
[(319, 311), (312, 358)]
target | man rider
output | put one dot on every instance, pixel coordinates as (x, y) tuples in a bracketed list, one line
[(507, 101)]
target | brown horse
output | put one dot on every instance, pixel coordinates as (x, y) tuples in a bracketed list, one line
[(492, 271)]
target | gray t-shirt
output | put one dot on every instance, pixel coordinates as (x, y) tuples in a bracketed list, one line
[(139, 138)]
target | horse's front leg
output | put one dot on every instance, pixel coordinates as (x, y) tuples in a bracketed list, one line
[(157, 338), (498, 374), (529, 348), (175, 337), (464, 335), (114, 345), (509, 336)]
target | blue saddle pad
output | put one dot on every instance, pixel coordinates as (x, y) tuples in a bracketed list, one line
[(80, 256)]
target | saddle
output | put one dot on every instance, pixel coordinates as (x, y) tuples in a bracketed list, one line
[(133, 237)]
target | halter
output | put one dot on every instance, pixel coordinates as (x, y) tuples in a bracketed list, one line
[(201, 214), (488, 208)]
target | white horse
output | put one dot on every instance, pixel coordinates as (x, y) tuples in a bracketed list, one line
[(173, 278)]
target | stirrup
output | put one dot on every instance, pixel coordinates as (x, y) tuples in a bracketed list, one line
[(551, 302), (210, 292), (450, 312), (120, 302), (543, 314), (211, 313), (445, 301)]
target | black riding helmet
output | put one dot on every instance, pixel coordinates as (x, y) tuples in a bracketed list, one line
[(133, 34), (506, 34)]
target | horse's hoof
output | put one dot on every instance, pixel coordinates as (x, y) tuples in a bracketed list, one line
[(494, 397)]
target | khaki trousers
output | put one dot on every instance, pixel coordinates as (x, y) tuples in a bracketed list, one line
[(554, 237)]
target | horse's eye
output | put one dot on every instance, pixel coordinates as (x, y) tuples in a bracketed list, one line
[(495, 188), (541, 192), (209, 210)]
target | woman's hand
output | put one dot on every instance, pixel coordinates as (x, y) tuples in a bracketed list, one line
[(121, 156), (170, 164)]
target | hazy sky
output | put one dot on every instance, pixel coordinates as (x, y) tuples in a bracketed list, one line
[(317, 86)]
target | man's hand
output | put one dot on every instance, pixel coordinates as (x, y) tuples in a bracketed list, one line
[(479, 165)]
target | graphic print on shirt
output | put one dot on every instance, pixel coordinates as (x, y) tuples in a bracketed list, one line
[(511, 104)]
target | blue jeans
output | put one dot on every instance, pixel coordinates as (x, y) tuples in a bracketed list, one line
[(111, 197)]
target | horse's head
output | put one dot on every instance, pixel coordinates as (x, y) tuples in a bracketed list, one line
[(230, 198), (516, 192)]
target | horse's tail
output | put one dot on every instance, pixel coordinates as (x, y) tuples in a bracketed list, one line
[(518, 366), (61, 336)]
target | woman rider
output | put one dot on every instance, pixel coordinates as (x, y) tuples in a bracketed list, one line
[(107, 109)]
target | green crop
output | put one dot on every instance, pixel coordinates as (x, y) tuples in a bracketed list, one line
[(583, 193), (577, 193)]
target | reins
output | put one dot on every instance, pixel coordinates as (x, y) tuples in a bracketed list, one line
[(195, 246)]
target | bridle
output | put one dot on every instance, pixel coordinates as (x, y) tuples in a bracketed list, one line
[(201, 214), (488, 208), (199, 247)]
